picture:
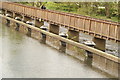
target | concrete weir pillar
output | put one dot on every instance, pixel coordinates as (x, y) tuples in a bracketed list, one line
[(5, 12), (12, 23), (10, 14), (52, 41), (62, 43), (73, 50), (13, 15), (17, 26), (100, 43), (39, 23), (4, 21), (54, 28), (8, 22), (73, 35), (29, 32)]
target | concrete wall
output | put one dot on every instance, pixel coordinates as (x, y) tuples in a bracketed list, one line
[(106, 65), (76, 52), (4, 21), (23, 29), (36, 34), (53, 42)]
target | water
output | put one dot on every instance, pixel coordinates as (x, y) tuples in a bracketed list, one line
[(24, 57)]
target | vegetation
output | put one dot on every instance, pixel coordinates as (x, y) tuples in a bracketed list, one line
[(101, 10)]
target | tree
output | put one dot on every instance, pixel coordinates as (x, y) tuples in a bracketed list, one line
[(107, 9)]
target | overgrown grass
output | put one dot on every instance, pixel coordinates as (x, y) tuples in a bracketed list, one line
[(53, 6), (81, 11)]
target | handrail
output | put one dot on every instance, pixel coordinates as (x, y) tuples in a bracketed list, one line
[(71, 14), (104, 28)]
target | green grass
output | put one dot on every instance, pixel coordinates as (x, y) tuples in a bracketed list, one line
[(82, 11), (53, 6), (114, 19)]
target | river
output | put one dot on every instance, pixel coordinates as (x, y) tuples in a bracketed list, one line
[(25, 57)]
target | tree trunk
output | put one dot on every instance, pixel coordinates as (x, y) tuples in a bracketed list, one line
[(107, 10), (119, 11)]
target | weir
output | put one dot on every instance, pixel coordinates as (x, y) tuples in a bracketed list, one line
[(101, 60), (36, 60)]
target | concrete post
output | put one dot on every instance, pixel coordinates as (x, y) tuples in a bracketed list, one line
[(51, 41), (29, 32), (38, 23), (73, 35), (100, 43), (13, 15), (5, 12), (4, 21), (72, 49), (54, 29), (10, 13), (62, 43), (17, 26), (8, 22), (43, 36)]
